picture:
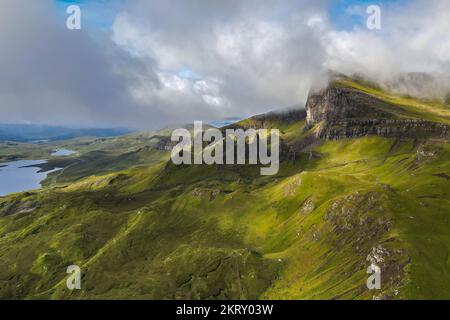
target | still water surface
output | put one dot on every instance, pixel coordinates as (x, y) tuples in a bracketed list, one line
[(22, 175)]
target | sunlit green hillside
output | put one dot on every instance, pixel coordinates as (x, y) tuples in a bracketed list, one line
[(143, 228)]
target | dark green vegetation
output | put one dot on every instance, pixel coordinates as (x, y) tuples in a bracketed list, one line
[(140, 227)]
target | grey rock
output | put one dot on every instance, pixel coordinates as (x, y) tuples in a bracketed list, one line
[(339, 112)]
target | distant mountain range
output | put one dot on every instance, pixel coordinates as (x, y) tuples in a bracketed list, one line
[(32, 132)]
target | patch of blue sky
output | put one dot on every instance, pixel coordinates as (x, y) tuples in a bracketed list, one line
[(188, 74), (350, 14), (99, 14)]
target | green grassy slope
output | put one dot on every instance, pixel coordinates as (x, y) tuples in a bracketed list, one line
[(215, 232), (11, 151), (403, 106)]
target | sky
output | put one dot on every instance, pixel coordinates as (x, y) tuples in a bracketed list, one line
[(148, 64)]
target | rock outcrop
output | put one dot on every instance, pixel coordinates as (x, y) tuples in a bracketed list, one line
[(338, 103), (342, 112), (387, 128)]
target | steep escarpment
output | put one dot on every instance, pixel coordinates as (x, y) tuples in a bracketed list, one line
[(343, 110), (336, 103), (388, 128)]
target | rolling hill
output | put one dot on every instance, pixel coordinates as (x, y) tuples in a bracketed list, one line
[(364, 178)]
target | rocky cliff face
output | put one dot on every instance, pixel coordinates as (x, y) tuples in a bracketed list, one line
[(341, 112), (385, 128), (335, 103)]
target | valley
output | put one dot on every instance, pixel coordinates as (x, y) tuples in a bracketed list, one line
[(363, 178)]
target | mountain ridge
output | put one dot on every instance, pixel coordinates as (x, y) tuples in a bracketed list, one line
[(154, 230), (342, 111)]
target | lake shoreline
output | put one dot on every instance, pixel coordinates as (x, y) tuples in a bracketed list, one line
[(25, 175)]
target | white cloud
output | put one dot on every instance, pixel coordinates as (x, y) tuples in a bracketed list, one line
[(178, 61), (412, 39), (257, 61)]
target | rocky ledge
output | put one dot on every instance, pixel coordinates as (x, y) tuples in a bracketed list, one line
[(340, 112), (407, 129)]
